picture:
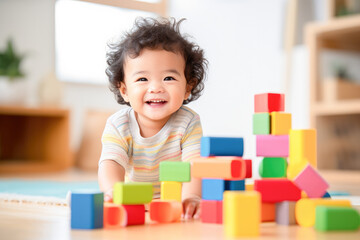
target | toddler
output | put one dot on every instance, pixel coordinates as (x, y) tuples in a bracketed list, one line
[(154, 70)]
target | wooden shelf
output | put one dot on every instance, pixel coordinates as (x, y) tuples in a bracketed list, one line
[(337, 108), (34, 139)]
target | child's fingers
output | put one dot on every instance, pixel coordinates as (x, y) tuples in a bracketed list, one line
[(189, 210), (197, 213)]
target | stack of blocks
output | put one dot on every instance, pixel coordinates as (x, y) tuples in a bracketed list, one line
[(223, 172)]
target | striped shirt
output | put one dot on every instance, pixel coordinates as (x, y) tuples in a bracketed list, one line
[(178, 140)]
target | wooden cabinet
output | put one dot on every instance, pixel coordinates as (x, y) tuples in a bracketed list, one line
[(334, 106), (34, 139)]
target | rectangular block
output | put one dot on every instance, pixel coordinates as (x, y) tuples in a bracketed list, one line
[(171, 191), (305, 209), (116, 216), (211, 211), (273, 167), (87, 210), (336, 219), (222, 146), (248, 163), (165, 211), (132, 193), (310, 181), (302, 147), (213, 189), (272, 145), (174, 171), (241, 212), (280, 123), (269, 102), (267, 212), (229, 168), (277, 190), (261, 123), (285, 213)]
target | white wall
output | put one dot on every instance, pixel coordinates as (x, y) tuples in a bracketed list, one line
[(242, 41)]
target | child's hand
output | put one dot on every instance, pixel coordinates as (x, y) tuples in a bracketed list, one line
[(108, 196), (191, 208)]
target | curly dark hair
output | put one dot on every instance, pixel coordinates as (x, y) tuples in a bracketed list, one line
[(154, 33)]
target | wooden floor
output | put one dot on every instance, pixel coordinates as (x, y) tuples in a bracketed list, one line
[(31, 221)]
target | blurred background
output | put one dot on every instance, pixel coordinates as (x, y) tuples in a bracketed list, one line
[(54, 100)]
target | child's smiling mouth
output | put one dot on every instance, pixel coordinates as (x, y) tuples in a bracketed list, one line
[(156, 102)]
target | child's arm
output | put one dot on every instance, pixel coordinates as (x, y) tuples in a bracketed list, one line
[(109, 173), (191, 194)]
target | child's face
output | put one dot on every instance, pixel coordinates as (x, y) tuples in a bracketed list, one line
[(155, 84)]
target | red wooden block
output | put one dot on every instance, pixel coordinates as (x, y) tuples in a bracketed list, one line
[(248, 164), (269, 102), (277, 190), (116, 216), (165, 211), (211, 211)]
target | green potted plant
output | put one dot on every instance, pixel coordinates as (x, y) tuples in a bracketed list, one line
[(12, 84)]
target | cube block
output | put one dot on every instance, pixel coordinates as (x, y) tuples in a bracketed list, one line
[(272, 145), (174, 171), (268, 212), (305, 209), (229, 168), (132, 193), (280, 123), (269, 102), (310, 181), (261, 123), (171, 191), (273, 167), (87, 210), (242, 211), (211, 211), (221, 146), (213, 189)]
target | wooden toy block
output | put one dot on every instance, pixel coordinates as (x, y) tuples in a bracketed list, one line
[(280, 123), (212, 189), (171, 191), (302, 147), (310, 181), (272, 145), (261, 123), (174, 171), (222, 146), (87, 210), (211, 211), (241, 213), (336, 219), (273, 167), (165, 211), (267, 212), (269, 102), (248, 163), (116, 216), (285, 213), (229, 168), (249, 187), (305, 209), (132, 193), (277, 190), (234, 185), (294, 169), (326, 195)]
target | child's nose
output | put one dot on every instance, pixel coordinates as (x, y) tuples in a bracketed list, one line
[(156, 87)]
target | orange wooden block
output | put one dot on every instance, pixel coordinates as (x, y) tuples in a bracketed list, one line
[(165, 211), (229, 168), (268, 212)]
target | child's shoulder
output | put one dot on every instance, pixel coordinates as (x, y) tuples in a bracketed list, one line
[(186, 112), (121, 116)]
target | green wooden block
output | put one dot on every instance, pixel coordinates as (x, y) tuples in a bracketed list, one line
[(261, 123), (273, 167), (174, 171), (132, 193), (333, 218)]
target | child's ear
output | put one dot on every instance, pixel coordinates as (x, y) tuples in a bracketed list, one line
[(123, 91), (189, 87)]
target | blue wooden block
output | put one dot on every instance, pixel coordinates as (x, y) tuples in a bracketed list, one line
[(212, 189), (326, 195), (222, 146), (235, 185), (87, 210)]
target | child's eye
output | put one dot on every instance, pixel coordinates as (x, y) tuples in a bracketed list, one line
[(169, 78), (141, 80)]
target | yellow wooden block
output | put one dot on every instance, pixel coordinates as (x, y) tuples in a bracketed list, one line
[(249, 187), (294, 169), (242, 213), (280, 123), (302, 147), (170, 191), (305, 209)]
